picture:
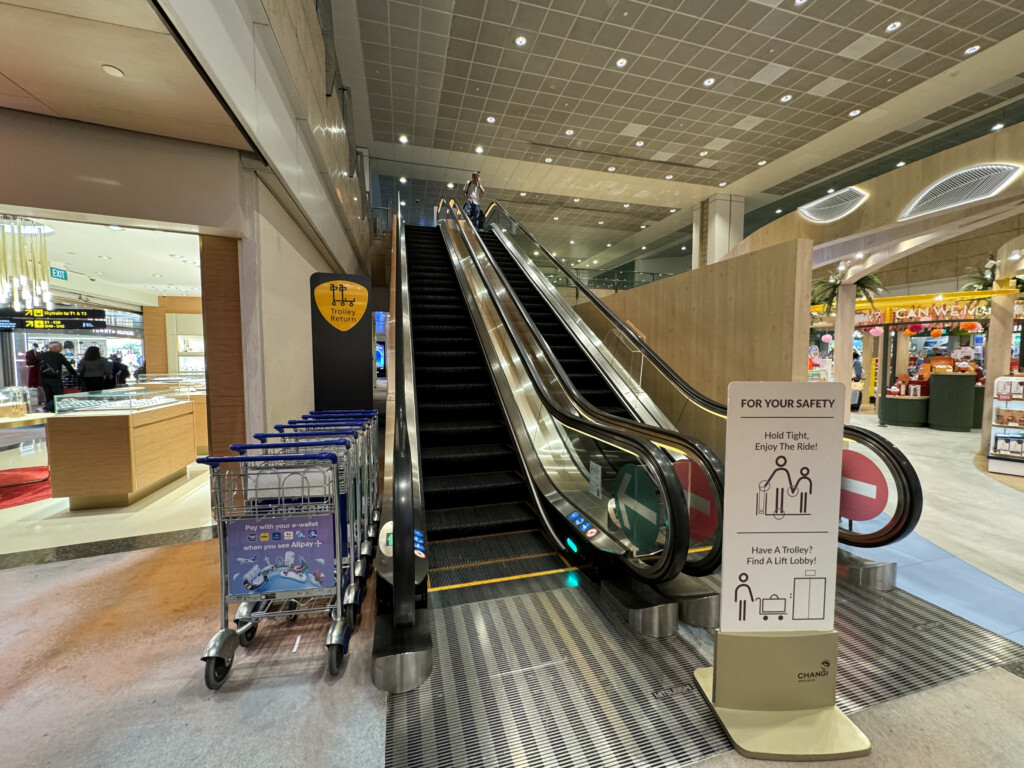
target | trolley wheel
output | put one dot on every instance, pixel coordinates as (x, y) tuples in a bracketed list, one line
[(216, 672), (335, 655), (350, 616), (244, 638), (292, 605)]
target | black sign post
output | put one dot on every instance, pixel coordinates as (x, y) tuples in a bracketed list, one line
[(342, 325)]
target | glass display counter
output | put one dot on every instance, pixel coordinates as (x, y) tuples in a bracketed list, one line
[(112, 447), (14, 402), (193, 385)]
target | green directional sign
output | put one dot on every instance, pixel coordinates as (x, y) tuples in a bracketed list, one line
[(636, 505)]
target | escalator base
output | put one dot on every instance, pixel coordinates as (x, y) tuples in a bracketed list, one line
[(549, 679)]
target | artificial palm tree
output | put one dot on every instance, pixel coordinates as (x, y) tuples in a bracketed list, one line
[(825, 290), (978, 279)]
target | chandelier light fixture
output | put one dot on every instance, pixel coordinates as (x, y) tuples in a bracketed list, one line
[(24, 266)]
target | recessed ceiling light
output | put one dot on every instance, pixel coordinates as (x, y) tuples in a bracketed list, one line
[(570, 132), (479, 150), (402, 179), (115, 228), (490, 119), (786, 99), (402, 203), (900, 164), (621, 63), (893, 26), (600, 222), (98, 274), (830, 191), (355, 199), (708, 82), (191, 261), (721, 183), (107, 258), (606, 245), (998, 127), (572, 242), (683, 248), (643, 226), (854, 112), (778, 210), (972, 50), (176, 256), (450, 185), (522, 194), (611, 169), (111, 70), (669, 177), (575, 199), (671, 210), (156, 275), (403, 139), (520, 41), (762, 162), (625, 205), (548, 160), (643, 247), (799, 2), (859, 256), (639, 143), (703, 153), (556, 218)]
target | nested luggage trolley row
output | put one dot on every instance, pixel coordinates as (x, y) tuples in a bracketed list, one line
[(296, 512)]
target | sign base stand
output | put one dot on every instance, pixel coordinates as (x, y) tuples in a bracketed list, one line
[(798, 735), (774, 693)]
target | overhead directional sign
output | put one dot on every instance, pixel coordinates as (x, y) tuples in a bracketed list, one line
[(636, 505)]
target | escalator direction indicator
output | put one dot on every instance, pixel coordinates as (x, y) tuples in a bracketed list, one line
[(636, 505)]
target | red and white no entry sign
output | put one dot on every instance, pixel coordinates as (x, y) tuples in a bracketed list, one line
[(864, 491), (699, 499)]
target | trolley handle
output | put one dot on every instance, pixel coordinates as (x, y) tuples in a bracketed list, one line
[(264, 436), (216, 461), (367, 412), (241, 448), (280, 428)]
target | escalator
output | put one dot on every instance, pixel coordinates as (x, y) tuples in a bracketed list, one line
[(480, 522), (577, 365)]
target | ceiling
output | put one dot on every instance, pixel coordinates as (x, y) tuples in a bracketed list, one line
[(52, 51), (126, 264), (436, 71)]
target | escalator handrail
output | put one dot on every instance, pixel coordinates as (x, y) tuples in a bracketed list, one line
[(406, 492), (911, 498), (677, 543)]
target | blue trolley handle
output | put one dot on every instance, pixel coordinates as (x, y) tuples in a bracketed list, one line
[(264, 436), (367, 412), (241, 448), (216, 461)]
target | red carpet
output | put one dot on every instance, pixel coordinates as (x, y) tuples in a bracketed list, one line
[(21, 486)]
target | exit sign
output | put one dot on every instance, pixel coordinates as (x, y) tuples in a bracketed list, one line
[(58, 274)]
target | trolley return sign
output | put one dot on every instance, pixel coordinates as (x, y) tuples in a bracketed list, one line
[(273, 555), (780, 536)]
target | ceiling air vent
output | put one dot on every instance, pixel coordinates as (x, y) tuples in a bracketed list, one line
[(833, 207), (965, 186)]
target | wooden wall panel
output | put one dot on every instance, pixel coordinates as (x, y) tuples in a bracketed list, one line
[(743, 319), (222, 320)]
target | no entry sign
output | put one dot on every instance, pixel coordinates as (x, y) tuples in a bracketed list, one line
[(864, 491), (700, 500)]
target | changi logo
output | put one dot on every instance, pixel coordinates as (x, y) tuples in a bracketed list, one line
[(822, 672), (341, 303)]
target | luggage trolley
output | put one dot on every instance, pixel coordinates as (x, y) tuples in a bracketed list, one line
[(358, 518), (373, 433), (350, 535), (278, 540)]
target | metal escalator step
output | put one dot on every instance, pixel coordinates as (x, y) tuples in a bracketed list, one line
[(460, 522), (465, 490), (462, 432), (510, 545), (471, 410), (448, 459), (503, 569), (426, 374)]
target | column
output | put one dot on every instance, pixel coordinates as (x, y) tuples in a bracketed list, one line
[(842, 362), (717, 228)]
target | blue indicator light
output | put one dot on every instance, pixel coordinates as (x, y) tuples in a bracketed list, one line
[(585, 526), (572, 545), (574, 517), (573, 579)]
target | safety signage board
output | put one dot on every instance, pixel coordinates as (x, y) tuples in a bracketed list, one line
[(784, 442)]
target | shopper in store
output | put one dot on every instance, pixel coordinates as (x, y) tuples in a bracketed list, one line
[(119, 371), (32, 364), (94, 370), (50, 363)]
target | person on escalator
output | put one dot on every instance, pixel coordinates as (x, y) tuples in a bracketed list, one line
[(473, 192)]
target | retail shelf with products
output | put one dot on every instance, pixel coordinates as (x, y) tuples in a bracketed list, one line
[(1006, 450), (14, 402), (111, 448)]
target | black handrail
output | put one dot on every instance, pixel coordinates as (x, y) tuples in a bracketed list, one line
[(911, 499), (674, 554), (405, 500)]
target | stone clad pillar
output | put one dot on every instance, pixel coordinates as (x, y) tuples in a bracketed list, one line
[(717, 228)]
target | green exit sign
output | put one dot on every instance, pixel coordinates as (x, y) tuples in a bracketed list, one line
[(58, 274)]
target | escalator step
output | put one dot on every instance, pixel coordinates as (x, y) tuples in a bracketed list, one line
[(459, 522), (505, 569), (449, 459), (464, 490), (475, 410), (462, 432), (455, 553)]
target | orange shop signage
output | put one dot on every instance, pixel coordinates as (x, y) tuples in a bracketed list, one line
[(939, 311)]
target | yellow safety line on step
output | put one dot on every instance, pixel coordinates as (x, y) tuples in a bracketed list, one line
[(700, 549), (495, 581)]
